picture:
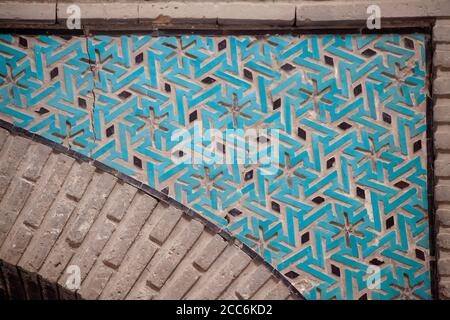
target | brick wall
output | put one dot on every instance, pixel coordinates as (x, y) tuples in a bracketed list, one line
[(441, 110), (57, 212)]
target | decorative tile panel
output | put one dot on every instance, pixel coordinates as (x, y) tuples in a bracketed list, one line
[(337, 202)]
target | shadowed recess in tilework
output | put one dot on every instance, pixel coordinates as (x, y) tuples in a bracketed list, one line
[(335, 194)]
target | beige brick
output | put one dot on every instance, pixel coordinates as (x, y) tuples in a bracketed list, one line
[(34, 161), (86, 255), (176, 288), (57, 169), (442, 56), (442, 137), (441, 85), (43, 242), (168, 218), (135, 262), (441, 31), (119, 201), (210, 252), (280, 292), (443, 240), (12, 154), (12, 250), (90, 206), (80, 176), (442, 190), (248, 287), (12, 203), (77, 228), (273, 290), (139, 211), (443, 215), (140, 290), (96, 281), (441, 110), (220, 280), (442, 165), (173, 252), (444, 264)]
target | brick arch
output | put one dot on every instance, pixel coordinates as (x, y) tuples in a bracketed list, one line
[(56, 212)]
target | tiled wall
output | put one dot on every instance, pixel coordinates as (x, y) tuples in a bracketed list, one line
[(345, 200)]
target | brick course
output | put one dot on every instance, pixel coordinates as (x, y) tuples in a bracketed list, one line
[(441, 116)]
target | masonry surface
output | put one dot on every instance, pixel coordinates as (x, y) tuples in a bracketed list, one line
[(57, 212)]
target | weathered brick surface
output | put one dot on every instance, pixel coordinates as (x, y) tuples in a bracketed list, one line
[(443, 240), (441, 85), (34, 161), (42, 243), (441, 116), (274, 291), (119, 201), (249, 286), (443, 215), (168, 217), (12, 153), (444, 264), (441, 30), (444, 287), (12, 203), (19, 240), (96, 281), (215, 285), (135, 262), (442, 137), (441, 112), (50, 185), (79, 180), (137, 214), (32, 214), (180, 284), (442, 190), (173, 252), (442, 165), (78, 226), (441, 57), (63, 213), (98, 191), (210, 252)]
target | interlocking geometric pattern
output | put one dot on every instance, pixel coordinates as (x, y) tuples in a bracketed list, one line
[(349, 194)]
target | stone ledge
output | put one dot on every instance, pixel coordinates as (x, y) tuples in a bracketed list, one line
[(222, 13), (324, 12), (28, 12), (116, 11), (284, 13)]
